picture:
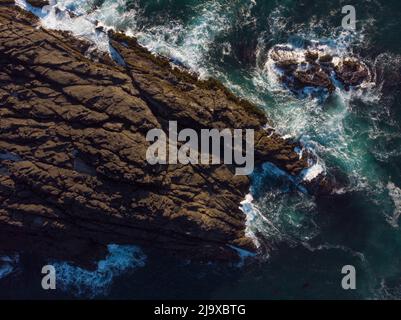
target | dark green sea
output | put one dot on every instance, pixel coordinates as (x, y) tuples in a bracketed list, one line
[(356, 134)]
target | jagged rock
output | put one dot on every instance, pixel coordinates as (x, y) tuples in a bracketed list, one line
[(325, 59), (311, 56), (351, 72), (312, 78), (75, 176), (311, 68)]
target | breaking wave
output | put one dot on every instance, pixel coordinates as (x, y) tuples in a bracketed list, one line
[(8, 265), (92, 283)]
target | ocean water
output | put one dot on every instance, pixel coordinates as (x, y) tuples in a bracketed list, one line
[(356, 134)]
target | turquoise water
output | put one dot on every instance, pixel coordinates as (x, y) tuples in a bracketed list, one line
[(356, 134)]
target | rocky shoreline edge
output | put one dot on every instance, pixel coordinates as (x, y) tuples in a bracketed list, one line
[(73, 174)]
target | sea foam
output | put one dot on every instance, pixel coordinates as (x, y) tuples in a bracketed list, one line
[(8, 265), (87, 283), (83, 26)]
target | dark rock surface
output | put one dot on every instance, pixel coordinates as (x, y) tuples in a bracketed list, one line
[(351, 72), (38, 3), (7, 2), (73, 174)]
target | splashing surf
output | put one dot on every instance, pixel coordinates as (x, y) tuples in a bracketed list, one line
[(87, 283), (8, 265)]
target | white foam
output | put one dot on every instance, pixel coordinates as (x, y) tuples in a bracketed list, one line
[(243, 254), (57, 17), (255, 220), (366, 91), (313, 172), (188, 44), (89, 283), (327, 246), (282, 211), (26, 6), (250, 212), (8, 264)]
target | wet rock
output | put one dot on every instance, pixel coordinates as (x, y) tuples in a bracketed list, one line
[(351, 72), (300, 69), (325, 59), (333, 182), (312, 78), (38, 3), (311, 56)]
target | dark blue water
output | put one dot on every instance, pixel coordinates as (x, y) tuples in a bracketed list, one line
[(356, 134)]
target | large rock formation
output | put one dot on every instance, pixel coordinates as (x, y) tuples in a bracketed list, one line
[(316, 68), (73, 174)]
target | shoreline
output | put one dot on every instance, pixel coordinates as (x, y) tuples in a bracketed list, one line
[(95, 114)]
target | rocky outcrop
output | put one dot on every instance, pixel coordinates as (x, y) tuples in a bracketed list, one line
[(73, 174), (351, 72), (313, 67)]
